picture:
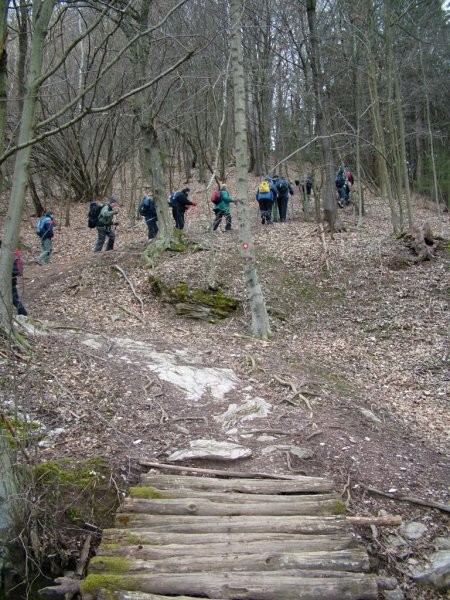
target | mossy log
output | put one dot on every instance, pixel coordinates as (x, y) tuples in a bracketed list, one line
[(153, 493), (208, 305), (351, 560), (285, 585), (323, 504), (298, 485), (151, 546)]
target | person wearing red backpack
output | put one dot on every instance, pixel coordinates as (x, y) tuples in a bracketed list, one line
[(17, 271)]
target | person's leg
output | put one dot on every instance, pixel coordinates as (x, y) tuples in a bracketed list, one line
[(228, 221), (217, 219), (282, 207), (21, 310), (46, 245), (100, 240), (152, 228), (111, 237)]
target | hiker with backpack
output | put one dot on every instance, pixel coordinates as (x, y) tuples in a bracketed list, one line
[(284, 190), (105, 225), (147, 209), (222, 208), (179, 202), (17, 271), (265, 197), (44, 230), (343, 188)]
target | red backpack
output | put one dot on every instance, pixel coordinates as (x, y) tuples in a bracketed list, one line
[(215, 197)]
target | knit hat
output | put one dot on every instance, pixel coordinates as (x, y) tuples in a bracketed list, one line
[(112, 200), (186, 190)]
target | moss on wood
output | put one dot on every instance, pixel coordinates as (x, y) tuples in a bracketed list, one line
[(209, 305)]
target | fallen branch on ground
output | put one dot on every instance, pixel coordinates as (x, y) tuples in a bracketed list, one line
[(218, 472), (430, 504), (124, 275)]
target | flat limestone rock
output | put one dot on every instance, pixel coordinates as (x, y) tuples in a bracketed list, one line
[(211, 449)]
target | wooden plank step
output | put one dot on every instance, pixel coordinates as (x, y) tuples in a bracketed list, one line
[(286, 585), (352, 560), (153, 493), (122, 595), (230, 524), (154, 551), (300, 484), (321, 505)]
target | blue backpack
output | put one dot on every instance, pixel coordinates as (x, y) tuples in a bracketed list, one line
[(39, 227), (340, 179)]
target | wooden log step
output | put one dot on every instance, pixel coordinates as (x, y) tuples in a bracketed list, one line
[(122, 595), (321, 505), (351, 560), (229, 524), (149, 537), (298, 485), (151, 550), (285, 585), (153, 493)]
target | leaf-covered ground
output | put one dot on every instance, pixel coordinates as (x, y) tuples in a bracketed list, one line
[(366, 344)]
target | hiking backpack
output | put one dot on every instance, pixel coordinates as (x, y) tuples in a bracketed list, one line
[(39, 227), (173, 199), (93, 214), (282, 187), (216, 197), (340, 179), (144, 207), (264, 187)]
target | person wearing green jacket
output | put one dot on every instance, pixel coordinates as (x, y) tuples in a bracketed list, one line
[(222, 209)]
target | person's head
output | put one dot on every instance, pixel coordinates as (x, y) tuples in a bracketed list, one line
[(112, 201), (50, 213), (186, 191), (147, 188), (223, 186)]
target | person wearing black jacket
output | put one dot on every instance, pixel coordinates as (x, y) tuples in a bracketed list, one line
[(179, 207)]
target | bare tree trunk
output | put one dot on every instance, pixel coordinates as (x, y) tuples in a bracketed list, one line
[(329, 192), (42, 12), (430, 134), (260, 319), (3, 65)]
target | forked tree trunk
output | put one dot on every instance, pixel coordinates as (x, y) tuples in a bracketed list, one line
[(42, 12), (260, 319)]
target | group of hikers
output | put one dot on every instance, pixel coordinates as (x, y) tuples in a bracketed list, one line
[(273, 191)]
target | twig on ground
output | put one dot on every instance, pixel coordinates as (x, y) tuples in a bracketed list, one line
[(132, 314), (289, 465), (313, 434), (124, 275)]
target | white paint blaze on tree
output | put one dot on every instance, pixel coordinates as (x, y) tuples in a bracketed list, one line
[(260, 320), (41, 12)]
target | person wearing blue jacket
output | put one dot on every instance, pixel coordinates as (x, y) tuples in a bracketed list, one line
[(46, 237), (284, 190), (222, 209), (147, 209)]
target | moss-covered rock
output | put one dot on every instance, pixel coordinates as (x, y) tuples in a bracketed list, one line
[(209, 305)]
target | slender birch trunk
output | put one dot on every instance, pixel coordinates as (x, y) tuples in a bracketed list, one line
[(260, 319), (42, 12)]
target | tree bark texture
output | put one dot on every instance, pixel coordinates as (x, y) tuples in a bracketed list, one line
[(42, 12), (260, 320)]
